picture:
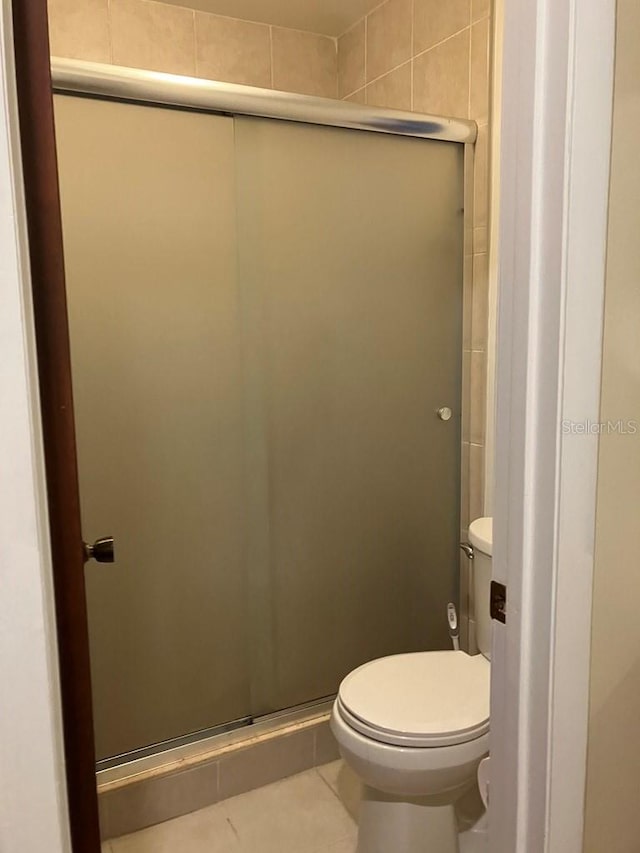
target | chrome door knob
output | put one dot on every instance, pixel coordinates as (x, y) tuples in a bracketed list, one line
[(101, 551), (444, 413)]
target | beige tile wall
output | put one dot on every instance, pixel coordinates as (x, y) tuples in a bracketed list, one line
[(161, 37), (433, 56)]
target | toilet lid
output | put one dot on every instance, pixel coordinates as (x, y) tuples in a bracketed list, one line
[(420, 699)]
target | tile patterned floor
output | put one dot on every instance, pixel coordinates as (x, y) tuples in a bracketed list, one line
[(308, 813), (314, 812)]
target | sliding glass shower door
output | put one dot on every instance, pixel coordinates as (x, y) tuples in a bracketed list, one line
[(350, 270), (265, 317), (148, 202)]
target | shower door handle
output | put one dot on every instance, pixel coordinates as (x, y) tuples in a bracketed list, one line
[(101, 551)]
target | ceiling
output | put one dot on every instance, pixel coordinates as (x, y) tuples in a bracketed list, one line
[(331, 17)]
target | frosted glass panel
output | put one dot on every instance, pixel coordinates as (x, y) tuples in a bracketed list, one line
[(148, 202), (351, 274), (265, 317)]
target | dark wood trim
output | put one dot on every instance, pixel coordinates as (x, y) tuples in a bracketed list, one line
[(37, 134)]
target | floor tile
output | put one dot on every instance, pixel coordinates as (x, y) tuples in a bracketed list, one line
[(204, 831), (326, 745), (308, 813), (300, 814), (330, 772), (474, 842), (345, 784), (346, 845)]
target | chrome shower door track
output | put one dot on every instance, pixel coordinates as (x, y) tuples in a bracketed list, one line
[(71, 76)]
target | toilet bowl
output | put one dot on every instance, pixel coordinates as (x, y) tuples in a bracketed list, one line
[(414, 728)]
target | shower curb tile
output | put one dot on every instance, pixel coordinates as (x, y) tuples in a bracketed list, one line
[(152, 801), (269, 761), (326, 746)]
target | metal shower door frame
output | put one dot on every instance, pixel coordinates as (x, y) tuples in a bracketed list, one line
[(130, 85)]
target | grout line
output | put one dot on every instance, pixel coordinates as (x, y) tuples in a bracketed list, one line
[(442, 41), (413, 24), (289, 29), (110, 31), (245, 20), (355, 92), (366, 55), (271, 53), (375, 8), (330, 787), (195, 45), (413, 67), (470, 80), (386, 73), (352, 27), (482, 17)]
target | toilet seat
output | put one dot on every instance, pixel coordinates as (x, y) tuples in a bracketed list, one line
[(423, 699)]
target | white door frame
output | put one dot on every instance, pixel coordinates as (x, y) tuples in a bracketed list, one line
[(558, 64), (33, 804), (557, 92)]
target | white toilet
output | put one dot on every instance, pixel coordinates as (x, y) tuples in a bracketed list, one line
[(414, 728)]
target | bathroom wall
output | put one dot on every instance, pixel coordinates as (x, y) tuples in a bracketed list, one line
[(614, 747), (434, 56), (161, 37)]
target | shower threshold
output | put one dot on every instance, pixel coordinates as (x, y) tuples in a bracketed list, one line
[(198, 745)]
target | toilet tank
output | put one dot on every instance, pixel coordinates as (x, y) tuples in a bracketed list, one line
[(481, 538)]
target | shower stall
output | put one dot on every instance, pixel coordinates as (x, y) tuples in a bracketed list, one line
[(266, 328)]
